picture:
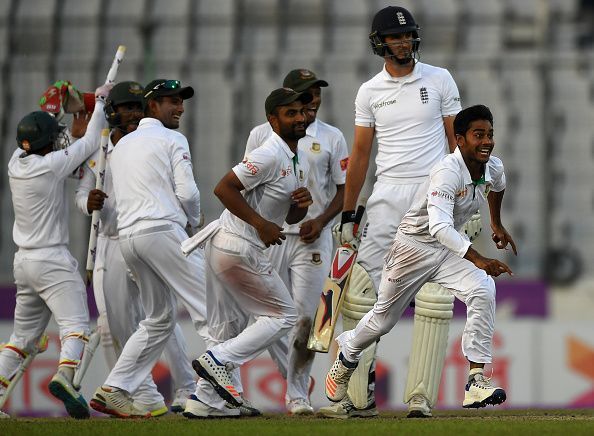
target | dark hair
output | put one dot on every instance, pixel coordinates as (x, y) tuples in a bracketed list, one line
[(470, 114), (158, 99)]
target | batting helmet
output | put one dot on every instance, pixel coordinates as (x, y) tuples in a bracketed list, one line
[(37, 130), (392, 20), (123, 92)]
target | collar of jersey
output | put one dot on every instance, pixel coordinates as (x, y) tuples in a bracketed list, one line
[(312, 129), (415, 74), (148, 121), (467, 179), (283, 145)]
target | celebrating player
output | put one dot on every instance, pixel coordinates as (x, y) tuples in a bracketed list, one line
[(240, 277), (116, 295), (303, 259), (409, 107), (45, 272), (429, 247), (156, 198)]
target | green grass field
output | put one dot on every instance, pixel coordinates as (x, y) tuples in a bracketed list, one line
[(462, 422)]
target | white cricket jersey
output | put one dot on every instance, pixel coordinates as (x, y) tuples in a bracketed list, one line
[(448, 200), (269, 174), (152, 177), (37, 186), (108, 223), (407, 114), (326, 151)]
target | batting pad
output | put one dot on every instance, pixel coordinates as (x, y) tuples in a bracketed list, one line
[(434, 307), (358, 300)]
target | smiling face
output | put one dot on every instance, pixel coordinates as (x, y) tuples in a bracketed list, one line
[(289, 122), (167, 109), (477, 143)]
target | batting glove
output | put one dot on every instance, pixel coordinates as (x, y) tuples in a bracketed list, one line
[(347, 229)]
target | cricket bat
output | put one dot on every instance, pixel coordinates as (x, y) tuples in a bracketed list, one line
[(335, 286)]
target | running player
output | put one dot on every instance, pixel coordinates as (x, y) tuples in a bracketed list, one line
[(241, 280), (45, 272), (303, 259), (429, 247), (116, 294)]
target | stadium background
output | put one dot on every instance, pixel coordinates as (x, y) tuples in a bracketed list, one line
[(530, 61)]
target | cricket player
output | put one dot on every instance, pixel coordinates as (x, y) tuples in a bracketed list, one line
[(303, 259), (241, 280), (409, 107), (45, 272), (156, 199), (430, 247), (116, 294)]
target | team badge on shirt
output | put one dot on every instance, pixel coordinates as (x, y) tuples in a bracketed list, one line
[(424, 95), (344, 163), (316, 147), (316, 259)]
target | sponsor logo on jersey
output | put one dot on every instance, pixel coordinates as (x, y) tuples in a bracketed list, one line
[(316, 147), (286, 171), (462, 193), (344, 163), (424, 95), (253, 169), (381, 104), (440, 194), (316, 258)]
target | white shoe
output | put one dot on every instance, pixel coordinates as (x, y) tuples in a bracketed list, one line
[(337, 379), (178, 405), (345, 409), (480, 391), (196, 409), (418, 407), (299, 406), (61, 388), (116, 402), (155, 409), (214, 372)]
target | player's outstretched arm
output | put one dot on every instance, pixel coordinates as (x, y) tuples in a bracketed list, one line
[(493, 267)]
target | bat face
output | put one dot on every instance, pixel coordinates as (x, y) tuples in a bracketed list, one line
[(330, 299)]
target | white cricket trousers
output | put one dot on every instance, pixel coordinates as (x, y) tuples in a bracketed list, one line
[(385, 208), (303, 269), (47, 282), (408, 266), (162, 273), (242, 283), (120, 296)]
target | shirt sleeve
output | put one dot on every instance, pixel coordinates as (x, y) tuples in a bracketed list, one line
[(186, 190), (440, 208), (497, 174), (257, 168), (257, 137), (339, 159), (364, 117), (450, 98), (85, 185), (64, 162)]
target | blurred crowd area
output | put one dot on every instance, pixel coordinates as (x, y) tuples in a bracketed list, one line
[(530, 61)]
